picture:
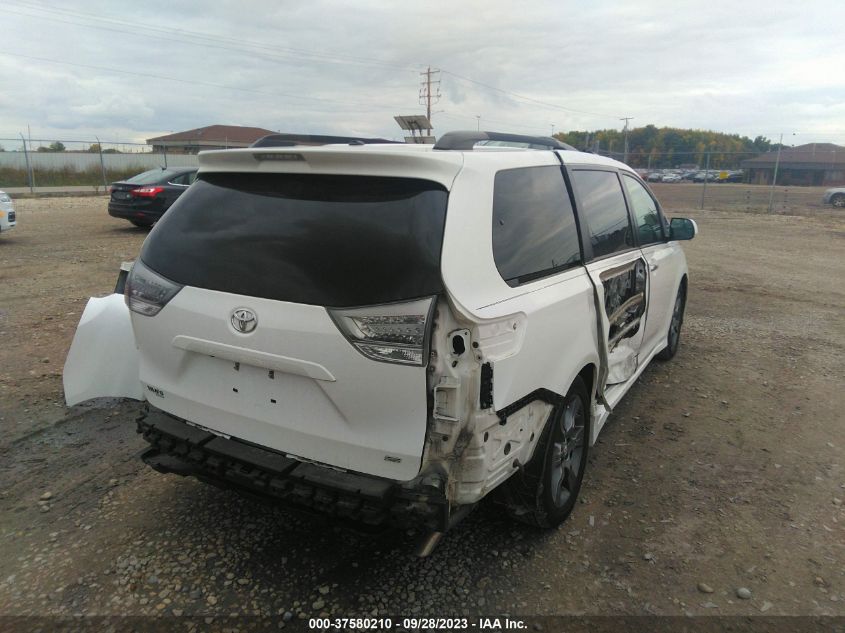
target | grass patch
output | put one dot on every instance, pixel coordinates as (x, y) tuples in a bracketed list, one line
[(67, 176)]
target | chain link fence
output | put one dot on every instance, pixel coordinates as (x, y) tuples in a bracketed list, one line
[(42, 163), (713, 180), (793, 181)]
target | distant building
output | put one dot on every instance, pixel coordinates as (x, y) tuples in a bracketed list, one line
[(819, 164), (209, 137)]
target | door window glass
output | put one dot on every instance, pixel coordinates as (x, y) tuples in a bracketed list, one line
[(649, 227), (603, 211)]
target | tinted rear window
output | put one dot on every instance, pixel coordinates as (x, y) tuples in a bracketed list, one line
[(152, 177), (326, 240)]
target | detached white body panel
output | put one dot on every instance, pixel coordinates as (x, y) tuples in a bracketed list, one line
[(103, 360)]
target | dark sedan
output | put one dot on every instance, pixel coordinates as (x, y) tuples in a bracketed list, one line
[(144, 198)]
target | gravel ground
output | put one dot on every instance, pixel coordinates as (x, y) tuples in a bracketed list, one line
[(715, 489)]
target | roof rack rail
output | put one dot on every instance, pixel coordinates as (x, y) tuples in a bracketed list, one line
[(291, 140), (467, 140)]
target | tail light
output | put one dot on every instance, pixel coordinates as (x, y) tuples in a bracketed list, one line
[(147, 292), (147, 192), (390, 333)]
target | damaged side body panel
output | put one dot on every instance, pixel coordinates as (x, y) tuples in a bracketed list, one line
[(624, 306), (471, 446)]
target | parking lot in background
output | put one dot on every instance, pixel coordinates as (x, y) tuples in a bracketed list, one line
[(721, 470)]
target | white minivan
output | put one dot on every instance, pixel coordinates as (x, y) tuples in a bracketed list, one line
[(391, 332)]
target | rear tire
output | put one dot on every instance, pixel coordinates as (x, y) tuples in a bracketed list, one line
[(673, 337), (838, 200), (545, 491), (141, 224)]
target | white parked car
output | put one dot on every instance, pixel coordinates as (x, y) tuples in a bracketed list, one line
[(835, 196), (392, 332), (671, 178), (8, 218)]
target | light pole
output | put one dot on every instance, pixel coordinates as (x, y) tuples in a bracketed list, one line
[(625, 155), (478, 122)]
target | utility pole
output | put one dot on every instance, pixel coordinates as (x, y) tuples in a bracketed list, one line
[(625, 155), (427, 97)]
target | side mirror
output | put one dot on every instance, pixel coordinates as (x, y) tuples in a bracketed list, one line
[(682, 229)]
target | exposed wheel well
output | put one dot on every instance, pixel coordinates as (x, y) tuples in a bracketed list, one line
[(588, 375)]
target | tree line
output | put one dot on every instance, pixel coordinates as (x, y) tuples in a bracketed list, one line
[(58, 146), (653, 147)]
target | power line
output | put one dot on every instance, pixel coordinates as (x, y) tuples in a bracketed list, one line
[(204, 83), (485, 119), (525, 98), (215, 42), (244, 46), (209, 39)]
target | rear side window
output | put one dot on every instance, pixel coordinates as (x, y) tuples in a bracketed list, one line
[(534, 231), (602, 209), (336, 241)]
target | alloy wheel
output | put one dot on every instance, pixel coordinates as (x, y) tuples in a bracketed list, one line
[(567, 450)]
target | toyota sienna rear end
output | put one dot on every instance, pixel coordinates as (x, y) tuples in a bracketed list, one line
[(292, 309)]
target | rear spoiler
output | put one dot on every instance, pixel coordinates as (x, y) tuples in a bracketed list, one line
[(292, 140), (467, 140)]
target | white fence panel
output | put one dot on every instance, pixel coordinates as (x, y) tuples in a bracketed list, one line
[(52, 161)]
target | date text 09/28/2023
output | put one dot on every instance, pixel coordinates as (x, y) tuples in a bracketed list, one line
[(431, 623)]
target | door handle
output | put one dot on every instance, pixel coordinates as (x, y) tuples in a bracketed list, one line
[(653, 267)]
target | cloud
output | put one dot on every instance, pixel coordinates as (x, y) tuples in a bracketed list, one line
[(114, 108), (336, 67)]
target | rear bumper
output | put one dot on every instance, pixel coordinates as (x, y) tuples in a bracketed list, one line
[(182, 449), (145, 211)]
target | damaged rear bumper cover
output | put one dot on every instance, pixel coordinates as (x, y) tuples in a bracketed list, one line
[(182, 449)]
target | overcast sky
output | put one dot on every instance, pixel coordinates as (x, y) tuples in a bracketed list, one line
[(127, 71)]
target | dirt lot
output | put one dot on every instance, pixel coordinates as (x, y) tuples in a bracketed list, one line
[(721, 469)]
